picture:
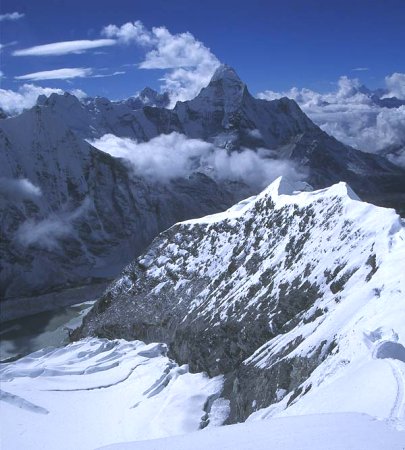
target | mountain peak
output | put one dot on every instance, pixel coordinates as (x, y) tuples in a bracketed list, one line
[(226, 73)]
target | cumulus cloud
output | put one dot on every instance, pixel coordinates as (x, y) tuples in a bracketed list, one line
[(171, 156), (189, 64), (57, 74), (14, 102), (47, 232), (396, 85), (11, 16), (129, 32), (18, 189), (64, 48), (352, 114)]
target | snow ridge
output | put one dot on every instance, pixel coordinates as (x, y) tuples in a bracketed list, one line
[(283, 286)]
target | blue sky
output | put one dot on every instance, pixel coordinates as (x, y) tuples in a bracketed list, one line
[(272, 44)]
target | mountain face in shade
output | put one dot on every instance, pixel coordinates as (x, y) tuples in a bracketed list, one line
[(90, 215), (73, 215), (286, 294)]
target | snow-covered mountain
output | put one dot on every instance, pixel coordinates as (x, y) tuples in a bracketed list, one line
[(73, 215), (292, 302), (226, 114), (297, 298), (286, 310)]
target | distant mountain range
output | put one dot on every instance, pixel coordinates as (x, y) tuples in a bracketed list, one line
[(73, 215)]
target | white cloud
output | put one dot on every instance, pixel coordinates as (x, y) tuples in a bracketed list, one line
[(255, 134), (350, 115), (79, 93), (155, 159), (47, 232), (14, 102), (9, 44), (189, 63), (360, 69), (129, 32), (257, 169), (11, 16), (18, 189), (64, 48), (100, 75), (396, 85), (58, 74), (171, 156)]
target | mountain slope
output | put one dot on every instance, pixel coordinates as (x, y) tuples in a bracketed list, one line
[(276, 287), (72, 214)]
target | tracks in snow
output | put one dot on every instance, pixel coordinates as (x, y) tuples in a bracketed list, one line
[(397, 413), (394, 354)]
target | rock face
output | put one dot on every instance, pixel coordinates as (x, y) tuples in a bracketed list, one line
[(263, 293)]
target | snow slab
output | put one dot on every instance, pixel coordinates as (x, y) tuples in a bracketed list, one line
[(348, 431), (97, 392)]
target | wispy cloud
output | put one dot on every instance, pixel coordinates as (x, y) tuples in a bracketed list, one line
[(64, 48), (189, 63), (101, 75), (11, 16), (14, 102), (360, 69), (18, 189), (57, 74), (9, 44), (47, 233)]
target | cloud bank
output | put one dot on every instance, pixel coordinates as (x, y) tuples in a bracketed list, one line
[(172, 156), (64, 48), (189, 63), (355, 115), (14, 102)]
